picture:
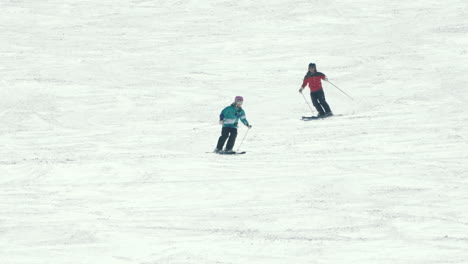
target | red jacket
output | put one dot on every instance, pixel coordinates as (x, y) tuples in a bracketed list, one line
[(314, 80)]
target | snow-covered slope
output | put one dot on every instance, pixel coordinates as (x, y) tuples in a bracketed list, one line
[(108, 108)]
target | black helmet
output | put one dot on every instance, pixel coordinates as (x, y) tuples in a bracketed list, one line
[(311, 65)]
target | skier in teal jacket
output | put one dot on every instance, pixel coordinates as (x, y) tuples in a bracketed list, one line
[(229, 118)]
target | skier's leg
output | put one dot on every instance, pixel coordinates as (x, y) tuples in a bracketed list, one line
[(323, 102), (222, 138), (232, 138), (315, 102)]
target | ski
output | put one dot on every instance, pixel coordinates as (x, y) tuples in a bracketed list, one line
[(231, 153), (307, 118), (228, 153), (310, 117)]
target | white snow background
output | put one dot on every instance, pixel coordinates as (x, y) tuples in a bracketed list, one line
[(108, 109)]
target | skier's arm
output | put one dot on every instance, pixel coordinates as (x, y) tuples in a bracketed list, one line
[(244, 120), (324, 77), (304, 83), (221, 119), (221, 116)]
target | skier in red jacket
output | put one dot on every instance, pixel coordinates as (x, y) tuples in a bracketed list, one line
[(314, 79)]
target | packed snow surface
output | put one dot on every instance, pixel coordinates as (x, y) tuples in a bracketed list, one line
[(109, 110)]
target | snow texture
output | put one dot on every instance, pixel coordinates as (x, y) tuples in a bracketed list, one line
[(108, 108)]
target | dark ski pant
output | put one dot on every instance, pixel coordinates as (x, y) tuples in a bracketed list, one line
[(227, 132), (319, 102)]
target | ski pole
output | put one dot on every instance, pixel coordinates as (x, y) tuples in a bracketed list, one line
[(243, 139), (307, 103), (341, 90)]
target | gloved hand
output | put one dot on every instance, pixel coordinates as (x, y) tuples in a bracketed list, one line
[(249, 126), (221, 122), (326, 79), (300, 90)]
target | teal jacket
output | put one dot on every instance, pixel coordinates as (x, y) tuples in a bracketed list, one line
[(231, 115)]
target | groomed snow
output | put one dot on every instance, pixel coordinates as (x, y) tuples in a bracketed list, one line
[(108, 109)]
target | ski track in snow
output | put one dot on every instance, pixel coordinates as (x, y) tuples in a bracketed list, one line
[(108, 110)]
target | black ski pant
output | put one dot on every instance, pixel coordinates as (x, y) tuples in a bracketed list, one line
[(319, 102), (227, 132)]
